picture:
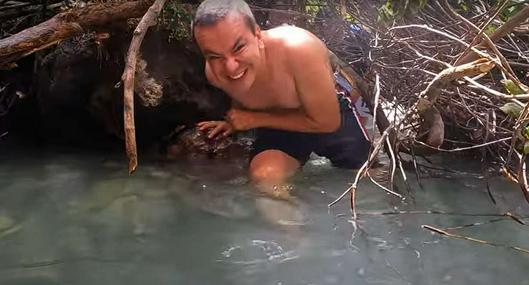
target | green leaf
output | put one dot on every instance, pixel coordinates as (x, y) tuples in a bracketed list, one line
[(526, 147), (511, 109), (490, 29), (526, 132), (514, 89)]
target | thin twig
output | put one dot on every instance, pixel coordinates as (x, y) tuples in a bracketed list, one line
[(464, 148), (480, 241), (382, 186)]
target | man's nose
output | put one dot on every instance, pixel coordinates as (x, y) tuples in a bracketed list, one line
[(232, 64)]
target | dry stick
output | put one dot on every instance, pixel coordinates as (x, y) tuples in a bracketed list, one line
[(393, 163), (522, 177), (441, 213), (491, 45), (445, 34), (66, 25), (402, 172), (382, 186), (506, 215), (476, 224), (382, 123), (429, 96), (375, 103), (464, 148), (426, 101), (148, 20), (445, 233), (498, 94), (502, 31), (507, 173), (480, 31), (362, 171)]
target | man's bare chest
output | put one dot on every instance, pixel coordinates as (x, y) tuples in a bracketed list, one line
[(275, 94)]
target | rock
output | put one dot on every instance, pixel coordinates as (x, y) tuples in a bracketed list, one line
[(192, 142)]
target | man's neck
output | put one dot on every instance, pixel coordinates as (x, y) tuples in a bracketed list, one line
[(264, 73)]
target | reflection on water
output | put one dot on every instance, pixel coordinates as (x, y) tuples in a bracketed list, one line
[(78, 218)]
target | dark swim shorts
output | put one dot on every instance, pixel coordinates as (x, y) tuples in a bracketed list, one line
[(348, 147)]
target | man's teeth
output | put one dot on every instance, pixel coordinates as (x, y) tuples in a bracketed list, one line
[(238, 75)]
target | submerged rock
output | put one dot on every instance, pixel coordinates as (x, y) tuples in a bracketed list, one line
[(192, 142)]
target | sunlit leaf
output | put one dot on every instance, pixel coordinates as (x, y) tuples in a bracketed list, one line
[(526, 147), (511, 109), (526, 132), (512, 88), (490, 29)]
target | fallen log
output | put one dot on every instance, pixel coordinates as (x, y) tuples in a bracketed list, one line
[(66, 25), (148, 20)]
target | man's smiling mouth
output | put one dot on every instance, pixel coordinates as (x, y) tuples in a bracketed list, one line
[(238, 76)]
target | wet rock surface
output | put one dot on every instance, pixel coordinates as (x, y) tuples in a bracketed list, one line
[(192, 142)]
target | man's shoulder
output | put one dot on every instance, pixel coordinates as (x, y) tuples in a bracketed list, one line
[(296, 43), (292, 37)]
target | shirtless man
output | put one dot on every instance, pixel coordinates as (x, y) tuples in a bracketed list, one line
[(281, 84)]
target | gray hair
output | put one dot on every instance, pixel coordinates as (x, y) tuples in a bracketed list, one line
[(211, 12)]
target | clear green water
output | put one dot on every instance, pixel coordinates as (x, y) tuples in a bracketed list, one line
[(71, 217)]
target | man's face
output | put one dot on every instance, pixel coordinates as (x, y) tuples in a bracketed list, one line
[(232, 53)]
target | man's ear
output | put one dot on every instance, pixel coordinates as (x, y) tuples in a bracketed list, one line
[(259, 36)]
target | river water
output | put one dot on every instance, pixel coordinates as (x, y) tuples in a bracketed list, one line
[(77, 217)]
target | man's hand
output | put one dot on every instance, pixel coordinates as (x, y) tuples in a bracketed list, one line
[(215, 128), (242, 120)]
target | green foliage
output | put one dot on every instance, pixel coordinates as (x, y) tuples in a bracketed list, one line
[(511, 109), (323, 9), (313, 7), (462, 5), (394, 9), (525, 135), (514, 89), (176, 18), (490, 29), (526, 147), (512, 8)]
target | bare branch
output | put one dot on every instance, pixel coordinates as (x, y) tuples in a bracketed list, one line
[(148, 20)]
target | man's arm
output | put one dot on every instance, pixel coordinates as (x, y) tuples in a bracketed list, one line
[(315, 87)]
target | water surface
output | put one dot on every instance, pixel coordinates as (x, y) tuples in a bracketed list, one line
[(77, 217)]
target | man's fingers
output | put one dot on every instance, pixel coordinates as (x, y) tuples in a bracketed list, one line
[(214, 132), (206, 125), (202, 125), (215, 128), (227, 132)]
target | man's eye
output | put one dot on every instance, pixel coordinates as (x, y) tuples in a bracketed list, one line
[(239, 48)]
